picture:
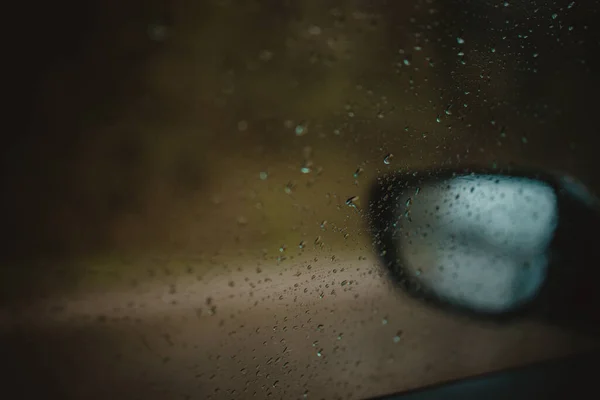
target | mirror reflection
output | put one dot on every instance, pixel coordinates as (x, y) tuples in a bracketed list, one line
[(480, 241)]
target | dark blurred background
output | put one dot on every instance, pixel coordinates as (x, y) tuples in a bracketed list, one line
[(114, 101)]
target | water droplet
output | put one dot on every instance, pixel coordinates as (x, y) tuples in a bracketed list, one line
[(282, 248), (358, 171), (263, 175), (320, 353), (314, 30), (351, 202), (340, 336), (460, 40), (397, 337), (300, 130), (554, 16), (384, 321), (302, 244), (289, 188), (406, 62), (306, 168), (387, 160), (320, 327), (344, 283), (315, 343)]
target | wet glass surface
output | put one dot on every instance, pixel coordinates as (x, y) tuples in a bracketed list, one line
[(184, 192)]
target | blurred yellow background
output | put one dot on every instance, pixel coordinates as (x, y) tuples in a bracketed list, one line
[(152, 123)]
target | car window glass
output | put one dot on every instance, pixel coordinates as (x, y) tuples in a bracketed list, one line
[(187, 203)]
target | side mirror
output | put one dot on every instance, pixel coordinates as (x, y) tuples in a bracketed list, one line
[(492, 244)]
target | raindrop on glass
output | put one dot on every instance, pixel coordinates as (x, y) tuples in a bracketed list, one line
[(351, 202), (300, 130), (397, 337)]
